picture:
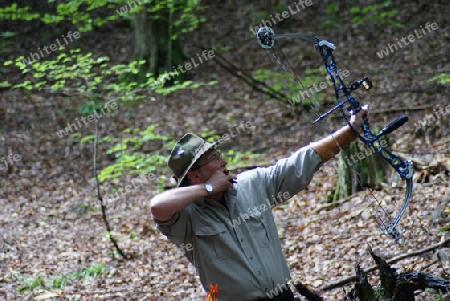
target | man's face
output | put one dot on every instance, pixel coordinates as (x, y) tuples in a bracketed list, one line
[(208, 163)]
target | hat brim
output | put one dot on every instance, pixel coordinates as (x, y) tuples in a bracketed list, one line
[(205, 147)]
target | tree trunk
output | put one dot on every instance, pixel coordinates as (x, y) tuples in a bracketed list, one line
[(358, 168), (153, 42)]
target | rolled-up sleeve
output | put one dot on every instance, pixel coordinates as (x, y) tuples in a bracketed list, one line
[(177, 227), (287, 177)]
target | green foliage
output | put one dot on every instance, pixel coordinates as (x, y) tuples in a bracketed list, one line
[(279, 8), (31, 284), (237, 159), (59, 281), (443, 78), (96, 81), (446, 228), (209, 135), (83, 73), (13, 12), (77, 11), (92, 80), (92, 77), (382, 14), (377, 13), (129, 156), (332, 18), (279, 81), (87, 108), (89, 13), (257, 16), (8, 34), (91, 271)]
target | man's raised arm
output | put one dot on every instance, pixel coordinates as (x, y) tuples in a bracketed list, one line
[(163, 206)]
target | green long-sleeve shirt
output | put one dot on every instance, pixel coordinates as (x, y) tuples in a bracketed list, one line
[(237, 246)]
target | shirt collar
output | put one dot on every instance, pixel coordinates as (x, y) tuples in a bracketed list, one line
[(203, 202)]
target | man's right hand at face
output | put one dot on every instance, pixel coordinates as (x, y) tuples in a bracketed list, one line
[(221, 181)]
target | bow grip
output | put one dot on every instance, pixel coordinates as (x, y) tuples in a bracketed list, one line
[(393, 125), (365, 125)]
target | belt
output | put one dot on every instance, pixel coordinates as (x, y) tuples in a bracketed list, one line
[(285, 295)]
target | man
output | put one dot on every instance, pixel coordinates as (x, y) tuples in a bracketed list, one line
[(228, 223)]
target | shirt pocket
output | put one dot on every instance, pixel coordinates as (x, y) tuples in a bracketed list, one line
[(214, 242), (259, 230)]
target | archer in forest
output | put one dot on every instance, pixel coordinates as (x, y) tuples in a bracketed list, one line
[(226, 219)]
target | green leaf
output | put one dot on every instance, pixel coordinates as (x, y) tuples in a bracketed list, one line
[(355, 9), (87, 138)]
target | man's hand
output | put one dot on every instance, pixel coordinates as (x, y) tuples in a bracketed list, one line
[(356, 119), (221, 181)]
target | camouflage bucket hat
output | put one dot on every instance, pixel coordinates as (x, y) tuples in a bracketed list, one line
[(185, 153)]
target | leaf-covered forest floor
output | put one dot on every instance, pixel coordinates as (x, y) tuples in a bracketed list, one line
[(50, 223)]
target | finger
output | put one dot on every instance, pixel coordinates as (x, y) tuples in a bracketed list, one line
[(366, 113), (365, 108)]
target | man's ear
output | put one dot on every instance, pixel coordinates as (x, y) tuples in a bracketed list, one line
[(194, 177)]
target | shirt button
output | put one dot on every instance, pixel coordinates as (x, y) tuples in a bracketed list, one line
[(259, 272), (251, 257), (242, 240)]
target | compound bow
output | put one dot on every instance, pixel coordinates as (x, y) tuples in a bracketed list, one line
[(266, 38)]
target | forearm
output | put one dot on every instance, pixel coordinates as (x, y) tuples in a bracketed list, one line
[(329, 146), (166, 204)]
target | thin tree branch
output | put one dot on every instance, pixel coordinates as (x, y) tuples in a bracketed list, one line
[(257, 85), (390, 261), (99, 196)]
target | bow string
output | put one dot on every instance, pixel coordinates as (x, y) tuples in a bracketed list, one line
[(266, 38)]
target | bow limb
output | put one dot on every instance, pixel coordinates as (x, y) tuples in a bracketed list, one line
[(390, 228)]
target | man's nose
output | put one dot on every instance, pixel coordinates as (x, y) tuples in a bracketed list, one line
[(223, 162)]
